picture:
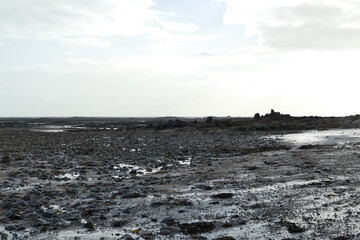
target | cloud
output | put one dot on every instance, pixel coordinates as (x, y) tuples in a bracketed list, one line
[(82, 21), (87, 41), (180, 27), (299, 24), (158, 47), (238, 83)]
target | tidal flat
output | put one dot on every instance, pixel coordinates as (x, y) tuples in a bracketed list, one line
[(179, 184)]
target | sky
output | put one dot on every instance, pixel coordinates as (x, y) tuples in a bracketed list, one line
[(145, 58)]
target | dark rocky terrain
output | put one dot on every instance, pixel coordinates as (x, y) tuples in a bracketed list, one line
[(273, 121), (107, 179)]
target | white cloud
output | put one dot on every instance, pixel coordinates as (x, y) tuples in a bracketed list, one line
[(158, 47), (239, 83), (299, 24), (180, 27), (87, 41), (83, 20)]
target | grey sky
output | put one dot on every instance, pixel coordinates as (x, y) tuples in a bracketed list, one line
[(183, 58)]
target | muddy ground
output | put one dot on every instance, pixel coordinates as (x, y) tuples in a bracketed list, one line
[(175, 184)]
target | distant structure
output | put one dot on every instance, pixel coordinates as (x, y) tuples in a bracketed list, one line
[(272, 116)]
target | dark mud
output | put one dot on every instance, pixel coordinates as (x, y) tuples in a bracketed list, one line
[(175, 184)]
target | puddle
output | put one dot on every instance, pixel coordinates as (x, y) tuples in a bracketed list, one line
[(82, 234), (56, 128), (68, 176), (136, 169), (17, 188), (186, 162), (327, 137)]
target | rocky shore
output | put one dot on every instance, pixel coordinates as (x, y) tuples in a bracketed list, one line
[(178, 183)]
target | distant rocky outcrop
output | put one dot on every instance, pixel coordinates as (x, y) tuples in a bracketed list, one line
[(272, 116)]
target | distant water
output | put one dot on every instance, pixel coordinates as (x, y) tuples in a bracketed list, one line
[(55, 128), (326, 137)]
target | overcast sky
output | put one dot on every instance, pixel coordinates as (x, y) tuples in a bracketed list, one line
[(179, 57)]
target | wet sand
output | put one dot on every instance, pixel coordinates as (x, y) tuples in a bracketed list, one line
[(176, 185)]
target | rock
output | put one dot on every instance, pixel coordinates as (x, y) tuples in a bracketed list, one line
[(223, 195), (127, 237), (309, 146), (209, 120), (224, 238), (169, 230), (3, 236), (133, 195), (148, 235), (168, 221), (14, 227), (6, 159), (156, 204), (89, 225), (204, 187), (344, 238), (294, 228), (197, 227), (13, 214), (118, 223)]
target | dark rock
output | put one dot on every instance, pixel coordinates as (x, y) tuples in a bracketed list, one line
[(14, 214), (127, 211), (175, 124), (118, 223), (89, 225), (168, 221), (6, 159), (209, 120), (276, 115), (3, 236), (156, 204), (309, 146), (224, 238), (223, 195), (12, 227), (294, 228), (133, 195), (196, 227), (344, 238), (169, 230), (183, 202), (34, 204), (204, 187), (148, 235)]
